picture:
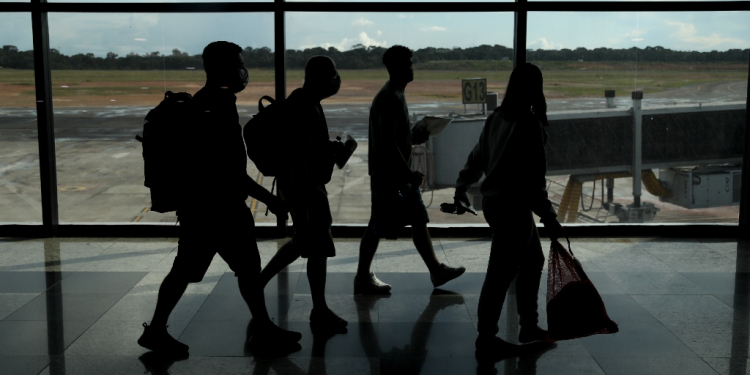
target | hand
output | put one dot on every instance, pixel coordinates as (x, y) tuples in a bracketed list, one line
[(554, 229), (419, 136), (461, 200), (416, 179), (279, 208), (336, 146)]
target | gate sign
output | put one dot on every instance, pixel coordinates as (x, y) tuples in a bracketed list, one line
[(474, 90)]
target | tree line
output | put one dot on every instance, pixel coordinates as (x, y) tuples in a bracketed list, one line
[(361, 57)]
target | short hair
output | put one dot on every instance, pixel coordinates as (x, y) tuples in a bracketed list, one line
[(396, 55), (220, 53), (317, 67)]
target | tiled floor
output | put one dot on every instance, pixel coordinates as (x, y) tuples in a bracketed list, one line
[(75, 306)]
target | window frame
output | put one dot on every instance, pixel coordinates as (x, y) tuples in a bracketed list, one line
[(39, 9)]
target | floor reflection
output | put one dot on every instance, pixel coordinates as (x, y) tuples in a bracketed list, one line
[(740, 326), (683, 306), (54, 300)]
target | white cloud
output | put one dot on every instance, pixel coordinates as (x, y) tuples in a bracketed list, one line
[(380, 33), (341, 46), (543, 43), (346, 43), (433, 28), (367, 41), (635, 33), (401, 16), (362, 22), (686, 32)]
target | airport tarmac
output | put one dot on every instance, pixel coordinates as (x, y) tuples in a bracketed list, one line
[(100, 168)]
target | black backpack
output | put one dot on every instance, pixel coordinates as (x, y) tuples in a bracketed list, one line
[(264, 135), (165, 130)]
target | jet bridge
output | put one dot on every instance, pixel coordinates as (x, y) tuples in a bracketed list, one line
[(690, 145)]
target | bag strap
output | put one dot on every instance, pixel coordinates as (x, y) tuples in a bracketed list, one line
[(268, 99), (569, 248), (273, 185)]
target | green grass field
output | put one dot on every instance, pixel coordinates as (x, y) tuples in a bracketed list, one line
[(562, 79)]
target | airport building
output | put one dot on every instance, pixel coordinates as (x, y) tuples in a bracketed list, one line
[(646, 169)]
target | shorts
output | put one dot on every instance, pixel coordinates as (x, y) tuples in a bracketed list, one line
[(391, 211), (228, 232), (313, 236)]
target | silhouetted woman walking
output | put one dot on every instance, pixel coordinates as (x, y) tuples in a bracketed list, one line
[(510, 152)]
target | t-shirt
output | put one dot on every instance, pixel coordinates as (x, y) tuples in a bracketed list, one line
[(389, 122), (217, 167), (311, 161)]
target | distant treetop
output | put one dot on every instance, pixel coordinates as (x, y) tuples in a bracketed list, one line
[(362, 57)]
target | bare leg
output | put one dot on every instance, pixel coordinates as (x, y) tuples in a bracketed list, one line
[(423, 242), (316, 275), (287, 254), (367, 248), (252, 293), (170, 292)]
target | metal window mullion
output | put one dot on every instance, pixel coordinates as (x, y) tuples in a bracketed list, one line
[(519, 34), (745, 183), (348, 6), (280, 73), (45, 120)]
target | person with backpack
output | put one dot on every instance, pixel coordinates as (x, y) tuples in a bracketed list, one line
[(302, 186), (512, 146), (212, 213), (396, 199)]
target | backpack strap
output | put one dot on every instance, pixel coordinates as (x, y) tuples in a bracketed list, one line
[(273, 185), (268, 99)]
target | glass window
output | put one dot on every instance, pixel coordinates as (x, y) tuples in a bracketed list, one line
[(20, 198), (162, 1), (445, 51), (108, 71), (691, 70)]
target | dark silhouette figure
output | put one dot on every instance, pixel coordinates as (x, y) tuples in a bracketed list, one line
[(283, 365), (302, 187), (520, 364), (510, 152), (411, 358), (214, 218), (396, 199)]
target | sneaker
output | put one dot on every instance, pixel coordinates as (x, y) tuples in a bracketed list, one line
[(370, 285), (528, 335), (495, 348), (445, 273), (158, 340), (326, 321)]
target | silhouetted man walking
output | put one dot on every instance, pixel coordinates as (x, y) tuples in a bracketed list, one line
[(396, 200), (303, 188), (213, 216)]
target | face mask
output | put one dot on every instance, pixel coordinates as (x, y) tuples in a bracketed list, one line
[(334, 87), (243, 80)]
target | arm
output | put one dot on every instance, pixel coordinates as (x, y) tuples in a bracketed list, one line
[(472, 171), (542, 207), (389, 152), (540, 203)]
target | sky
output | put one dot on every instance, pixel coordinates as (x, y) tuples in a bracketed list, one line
[(144, 33)]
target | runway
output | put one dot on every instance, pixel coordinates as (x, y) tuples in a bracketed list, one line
[(122, 123), (100, 168)]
